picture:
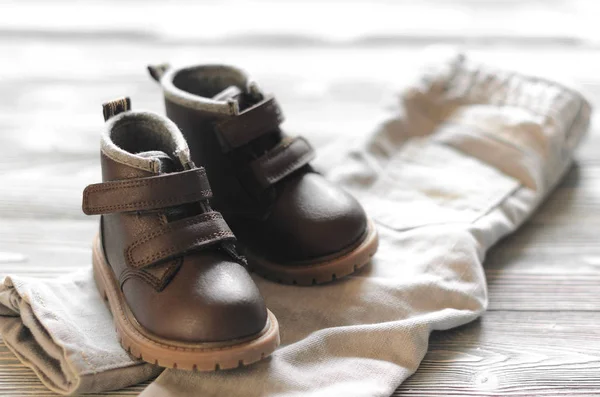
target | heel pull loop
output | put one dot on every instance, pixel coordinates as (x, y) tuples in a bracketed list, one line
[(157, 71), (116, 106)]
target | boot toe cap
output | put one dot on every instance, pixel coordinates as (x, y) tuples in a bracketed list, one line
[(205, 302), (317, 219)]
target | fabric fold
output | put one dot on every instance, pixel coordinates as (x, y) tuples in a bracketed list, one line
[(63, 331)]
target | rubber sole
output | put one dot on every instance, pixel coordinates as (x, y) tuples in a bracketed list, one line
[(318, 271), (174, 354)]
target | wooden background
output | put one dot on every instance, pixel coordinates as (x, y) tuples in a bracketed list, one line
[(334, 65)]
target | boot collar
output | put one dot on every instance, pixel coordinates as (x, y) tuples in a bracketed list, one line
[(214, 77), (161, 128)]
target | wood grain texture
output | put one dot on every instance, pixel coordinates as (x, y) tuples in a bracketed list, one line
[(541, 334), (513, 354)]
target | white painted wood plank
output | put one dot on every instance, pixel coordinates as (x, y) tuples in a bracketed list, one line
[(300, 22)]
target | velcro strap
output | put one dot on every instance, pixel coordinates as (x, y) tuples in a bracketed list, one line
[(290, 155), (177, 238), (250, 124), (144, 194)]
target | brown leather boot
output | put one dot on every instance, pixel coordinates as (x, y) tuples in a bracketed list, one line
[(165, 261), (292, 224)]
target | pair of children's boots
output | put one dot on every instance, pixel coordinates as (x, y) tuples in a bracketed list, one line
[(173, 251)]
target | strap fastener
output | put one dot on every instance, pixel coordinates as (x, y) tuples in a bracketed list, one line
[(287, 157), (146, 194), (178, 238), (249, 125)]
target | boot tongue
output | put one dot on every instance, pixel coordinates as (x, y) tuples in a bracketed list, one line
[(228, 93), (234, 93), (261, 145), (166, 163)]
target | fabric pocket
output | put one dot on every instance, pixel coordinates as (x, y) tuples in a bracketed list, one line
[(427, 182), (508, 138)]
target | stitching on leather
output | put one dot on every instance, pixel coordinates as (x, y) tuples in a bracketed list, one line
[(274, 178), (157, 283), (108, 186), (126, 183), (199, 219), (148, 278), (270, 156), (276, 151), (148, 203), (272, 107), (170, 250), (103, 187), (169, 273)]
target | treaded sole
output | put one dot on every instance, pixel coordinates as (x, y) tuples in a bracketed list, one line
[(173, 354), (319, 272)]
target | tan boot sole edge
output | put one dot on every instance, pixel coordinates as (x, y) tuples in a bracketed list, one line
[(174, 354), (319, 272)]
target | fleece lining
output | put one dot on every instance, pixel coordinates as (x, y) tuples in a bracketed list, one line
[(194, 87), (133, 132)]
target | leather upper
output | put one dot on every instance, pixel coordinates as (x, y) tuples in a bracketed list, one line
[(252, 123), (171, 253), (311, 219), (275, 203), (144, 194)]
